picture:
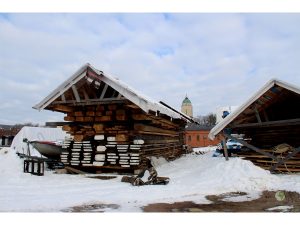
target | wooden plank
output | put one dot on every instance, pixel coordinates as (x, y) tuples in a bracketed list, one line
[(121, 117), (79, 119), (75, 92), (157, 133), (62, 108), (140, 117), (142, 127), (282, 161), (122, 137), (257, 115), (88, 119), (90, 113), (78, 137), (86, 96), (112, 107), (63, 97), (98, 127), (268, 124), (103, 91), (103, 118), (66, 118), (78, 113), (93, 101)]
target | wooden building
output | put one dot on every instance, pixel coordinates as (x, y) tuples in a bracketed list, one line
[(112, 127), (197, 136), (270, 124)]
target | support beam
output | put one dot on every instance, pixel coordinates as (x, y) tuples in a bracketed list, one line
[(63, 97), (282, 161), (119, 96), (103, 91), (225, 148), (257, 115), (251, 146), (92, 101), (268, 124), (75, 92), (62, 108)]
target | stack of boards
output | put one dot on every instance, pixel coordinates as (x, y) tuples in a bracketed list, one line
[(101, 152), (119, 136)]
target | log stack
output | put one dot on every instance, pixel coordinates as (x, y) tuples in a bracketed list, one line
[(119, 136), (289, 165)]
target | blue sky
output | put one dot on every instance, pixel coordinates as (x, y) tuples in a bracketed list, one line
[(217, 59)]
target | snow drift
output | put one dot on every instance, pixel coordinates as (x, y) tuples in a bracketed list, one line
[(192, 177)]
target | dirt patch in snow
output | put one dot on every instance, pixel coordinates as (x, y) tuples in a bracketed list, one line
[(289, 202), (95, 207)]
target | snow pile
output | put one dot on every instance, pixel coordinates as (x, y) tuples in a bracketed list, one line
[(205, 149), (282, 208), (11, 165), (192, 177)]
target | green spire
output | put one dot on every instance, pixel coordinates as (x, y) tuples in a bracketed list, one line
[(186, 100)]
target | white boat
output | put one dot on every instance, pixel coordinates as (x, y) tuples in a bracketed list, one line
[(48, 149)]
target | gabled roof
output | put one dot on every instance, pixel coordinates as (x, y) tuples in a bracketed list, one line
[(259, 96), (124, 91)]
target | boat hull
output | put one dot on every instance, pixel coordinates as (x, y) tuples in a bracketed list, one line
[(47, 149)]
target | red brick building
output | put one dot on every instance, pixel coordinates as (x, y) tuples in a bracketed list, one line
[(7, 134), (197, 136)]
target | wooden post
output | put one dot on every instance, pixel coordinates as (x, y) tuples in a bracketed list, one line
[(225, 149)]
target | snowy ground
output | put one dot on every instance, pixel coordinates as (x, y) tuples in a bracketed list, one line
[(192, 177)]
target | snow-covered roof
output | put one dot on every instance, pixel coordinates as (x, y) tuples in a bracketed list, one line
[(220, 126), (145, 103)]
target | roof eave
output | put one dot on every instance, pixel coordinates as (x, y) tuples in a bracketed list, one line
[(61, 88), (219, 127)]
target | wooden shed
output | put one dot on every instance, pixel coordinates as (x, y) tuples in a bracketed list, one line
[(112, 127), (270, 125)]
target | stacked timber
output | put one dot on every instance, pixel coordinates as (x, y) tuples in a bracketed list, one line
[(119, 136), (289, 156)]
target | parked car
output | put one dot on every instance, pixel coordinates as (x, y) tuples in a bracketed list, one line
[(232, 147)]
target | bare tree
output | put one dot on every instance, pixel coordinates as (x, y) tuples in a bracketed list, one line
[(29, 124), (207, 120)]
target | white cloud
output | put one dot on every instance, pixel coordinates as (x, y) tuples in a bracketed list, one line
[(217, 59)]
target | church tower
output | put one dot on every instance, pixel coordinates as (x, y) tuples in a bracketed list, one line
[(187, 107)]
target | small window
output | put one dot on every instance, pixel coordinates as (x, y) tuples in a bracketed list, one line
[(198, 138), (189, 138)]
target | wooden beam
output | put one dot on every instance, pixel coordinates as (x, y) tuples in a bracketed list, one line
[(282, 161), (145, 128), (119, 96), (62, 108), (63, 97), (92, 101), (225, 148), (268, 124), (257, 115), (250, 146), (103, 91), (75, 92)]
